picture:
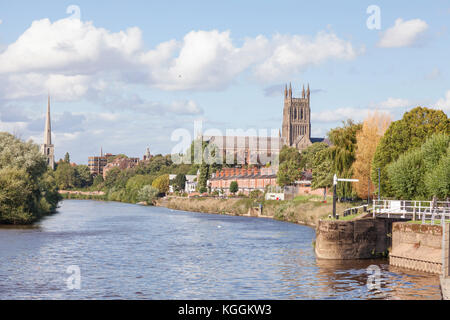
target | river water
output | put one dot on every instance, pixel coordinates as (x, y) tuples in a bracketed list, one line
[(106, 250)]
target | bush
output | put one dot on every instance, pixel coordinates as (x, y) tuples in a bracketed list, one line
[(148, 194), (234, 187)]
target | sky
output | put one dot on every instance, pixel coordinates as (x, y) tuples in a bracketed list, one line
[(127, 75)]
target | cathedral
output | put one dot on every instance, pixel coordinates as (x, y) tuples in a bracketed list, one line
[(47, 148), (296, 127)]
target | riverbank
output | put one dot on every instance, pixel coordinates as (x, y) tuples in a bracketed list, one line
[(305, 210)]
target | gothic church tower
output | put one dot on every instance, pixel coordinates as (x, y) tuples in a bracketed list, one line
[(47, 148), (296, 129)]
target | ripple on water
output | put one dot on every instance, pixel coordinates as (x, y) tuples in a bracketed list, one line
[(133, 252)]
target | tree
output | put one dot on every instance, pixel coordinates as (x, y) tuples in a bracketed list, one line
[(83, 176), (65, 176), (322, 175), (405, 134), (179, 182), (307, 156), (162, 183), (67, 158), (27, 190), (290, 166), (406, 175), (234, 187), (373, 129), (147, 194), (342, 154), (419, 173), (288, 173), (437, 180)]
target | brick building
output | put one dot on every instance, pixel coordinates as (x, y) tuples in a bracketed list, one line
[(122, 163), (248, 179)]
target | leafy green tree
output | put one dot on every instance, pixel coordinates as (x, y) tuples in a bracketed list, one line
[(322, 175), (67, 158), (406, 175), (419, 173), (437, 180), (307, 156), (27, 191), (405, 134), (179, 182), (83, 176), (288, 172), (343, 153), (65, 176), (290, 166), (147, 194), (204, 176), (234, 187)]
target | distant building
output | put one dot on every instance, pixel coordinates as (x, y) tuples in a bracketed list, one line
[(147, 156), (296, 127), (190, 186), (248, 179), (245, 150), (96, 164), (47, 148), (120, 162)]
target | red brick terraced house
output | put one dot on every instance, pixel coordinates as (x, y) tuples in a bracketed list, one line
[(248, 179)]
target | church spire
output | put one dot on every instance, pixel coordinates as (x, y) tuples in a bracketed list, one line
[(290, 90), (48, 126), (308, 92), (285, 91), (303, 92), (47, 148)]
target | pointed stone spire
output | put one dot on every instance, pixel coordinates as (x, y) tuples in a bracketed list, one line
[(47, 148), (48, 126), (303, 92), (285, 91), (290, 90), (308, 92)]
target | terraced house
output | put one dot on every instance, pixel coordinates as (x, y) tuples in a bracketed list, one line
[(248, 179)]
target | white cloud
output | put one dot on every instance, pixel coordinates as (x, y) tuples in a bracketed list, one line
[(72, 58), (403, 33), (342, 114), (392, 103), (292, 54), (444, 103)]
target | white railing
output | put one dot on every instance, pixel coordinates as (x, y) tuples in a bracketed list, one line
[(414, 209)]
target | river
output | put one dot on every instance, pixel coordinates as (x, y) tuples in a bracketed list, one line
[(123, 251)]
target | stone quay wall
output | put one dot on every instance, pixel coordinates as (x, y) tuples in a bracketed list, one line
[(357, 239), (417, 247)]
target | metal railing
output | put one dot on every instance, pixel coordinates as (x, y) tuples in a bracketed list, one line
[(412, 209)]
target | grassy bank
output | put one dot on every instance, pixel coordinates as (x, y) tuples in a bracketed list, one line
[(302, 210)]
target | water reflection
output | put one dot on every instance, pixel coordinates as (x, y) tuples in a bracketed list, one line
[(132, 252)]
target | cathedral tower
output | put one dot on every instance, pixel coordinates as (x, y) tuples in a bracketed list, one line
[(296, 128), (47, 148)]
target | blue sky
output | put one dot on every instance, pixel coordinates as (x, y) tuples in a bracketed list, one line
[(128, 74)]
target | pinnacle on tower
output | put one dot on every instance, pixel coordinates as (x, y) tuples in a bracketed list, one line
[(308, 92), (290, 90), (303, 92), (285, 91), (48, 126)]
